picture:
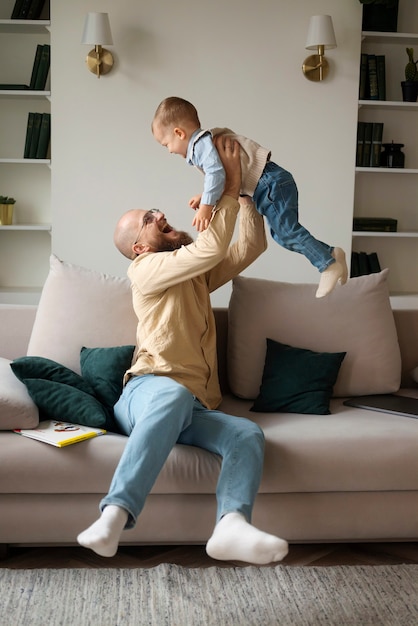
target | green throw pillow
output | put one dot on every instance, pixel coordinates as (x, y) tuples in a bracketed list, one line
[(103, 369), (69, 404), (40, 367), (296, 380)]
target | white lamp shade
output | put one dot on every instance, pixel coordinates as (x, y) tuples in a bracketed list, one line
[(97, 29), (320, 33)]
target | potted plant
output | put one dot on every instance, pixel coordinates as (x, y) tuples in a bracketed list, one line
[(380, 15), (6, 210), (410, 84)]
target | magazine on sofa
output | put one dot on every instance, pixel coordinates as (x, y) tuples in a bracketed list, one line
[(60, 433)]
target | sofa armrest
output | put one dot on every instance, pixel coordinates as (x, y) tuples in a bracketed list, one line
[(16, 321), (406, 321)]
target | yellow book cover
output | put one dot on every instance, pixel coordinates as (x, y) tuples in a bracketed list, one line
[(59, 433)]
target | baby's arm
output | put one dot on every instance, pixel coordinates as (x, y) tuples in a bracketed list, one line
[(206, 158)]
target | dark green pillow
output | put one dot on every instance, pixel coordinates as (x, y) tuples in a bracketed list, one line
[(40, 367), (69, 404), (296, 380), (103, 369)]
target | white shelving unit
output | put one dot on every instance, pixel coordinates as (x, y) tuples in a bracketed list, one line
[(392, 192), (25, 245)]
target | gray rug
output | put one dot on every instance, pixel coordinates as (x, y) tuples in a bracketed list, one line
[(169, 595)]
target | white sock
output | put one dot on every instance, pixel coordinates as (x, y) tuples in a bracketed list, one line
[(103, 536), (234, 539), (336, 272)]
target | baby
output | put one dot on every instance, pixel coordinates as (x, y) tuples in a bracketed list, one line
[(176, 126)]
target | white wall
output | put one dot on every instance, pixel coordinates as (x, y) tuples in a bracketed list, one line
[(239, 62)]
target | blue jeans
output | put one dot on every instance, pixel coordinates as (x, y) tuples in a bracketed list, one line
[(276, 197), (157, 412)]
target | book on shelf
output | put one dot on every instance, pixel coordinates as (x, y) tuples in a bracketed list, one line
[(27, 9), (372, 84), (376, 147), (44, 137), (12, 86), (60, 434), (361, 126), (367, 144), (42, 70), (363, 263), (38, 135), (375, 224), (372, 70), (35, 65)]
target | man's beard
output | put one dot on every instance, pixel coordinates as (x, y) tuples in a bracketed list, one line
[(182, 239)]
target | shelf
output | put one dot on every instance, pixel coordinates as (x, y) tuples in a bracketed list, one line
[(394, 105), (385, 170), (373, 233), (396, 38), (24, 26), (26, 227), (23, 93), (27, 161), (404, 301)]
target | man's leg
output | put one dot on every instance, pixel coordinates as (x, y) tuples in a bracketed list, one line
[(152, 410), (240, 443)]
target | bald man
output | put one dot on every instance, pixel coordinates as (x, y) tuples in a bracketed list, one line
[(171, 392)]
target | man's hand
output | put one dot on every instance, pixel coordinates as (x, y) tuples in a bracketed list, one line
[(229, 154)]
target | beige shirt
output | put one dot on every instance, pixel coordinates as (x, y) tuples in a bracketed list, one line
[(176, 334)]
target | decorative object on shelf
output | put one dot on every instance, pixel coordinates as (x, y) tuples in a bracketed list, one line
[(392, 155), (97, 32), (380, 15), (320, 37), (410, 84), (6, 210)]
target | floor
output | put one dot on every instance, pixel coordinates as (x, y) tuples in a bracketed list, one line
[(195, 556)]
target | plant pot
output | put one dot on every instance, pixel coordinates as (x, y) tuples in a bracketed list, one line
[(380, 18), (6, 214), (409, 90)]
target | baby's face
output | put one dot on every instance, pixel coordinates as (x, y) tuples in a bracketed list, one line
[(173, 138)]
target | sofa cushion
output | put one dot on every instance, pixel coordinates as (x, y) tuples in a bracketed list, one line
[(17, 409), (104, 369), (296, 380), (356, 319), (58, 401), (81, 307)]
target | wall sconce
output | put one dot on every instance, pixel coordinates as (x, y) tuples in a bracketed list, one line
[(321, 37), (97, 32)]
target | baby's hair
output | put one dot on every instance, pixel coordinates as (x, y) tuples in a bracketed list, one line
[(176, 111)]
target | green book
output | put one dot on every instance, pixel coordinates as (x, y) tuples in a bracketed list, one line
[(43, 69), (35, 66), (363, 87), (44, 136), (376, 148), (37, 118), (381, 76), (374, 263), (373, 86), (367, 145), (29, 131), (360, 143), (11, 86)]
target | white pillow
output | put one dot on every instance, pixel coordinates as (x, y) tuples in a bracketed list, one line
[(356, 318), (81, 307), (17, 409)]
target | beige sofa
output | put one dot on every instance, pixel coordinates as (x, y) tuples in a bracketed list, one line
[(350, 475)]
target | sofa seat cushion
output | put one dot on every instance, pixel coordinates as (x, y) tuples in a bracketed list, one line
[(349, 450), (356, 319)]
